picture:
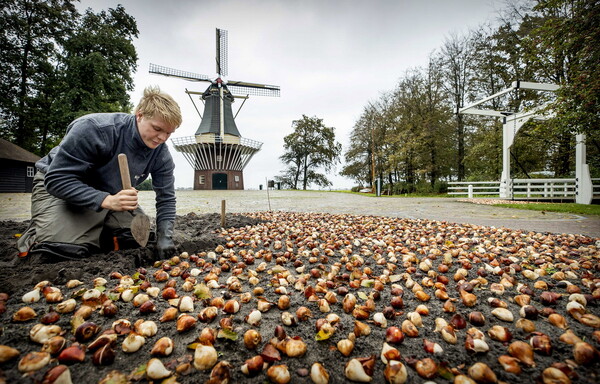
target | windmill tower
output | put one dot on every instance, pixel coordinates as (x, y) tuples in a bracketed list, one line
[(217, 152)]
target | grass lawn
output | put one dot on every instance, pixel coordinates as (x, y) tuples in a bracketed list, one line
[(581, 209)]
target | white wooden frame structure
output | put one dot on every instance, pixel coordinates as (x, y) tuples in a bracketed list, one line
[(511, 124)]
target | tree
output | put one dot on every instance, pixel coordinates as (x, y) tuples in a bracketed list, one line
[(358, 155), (58, 65), (564, 47), (310, 147), (99, 61), (33, 32), (456, 55)]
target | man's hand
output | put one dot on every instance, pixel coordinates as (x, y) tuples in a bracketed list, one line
[(125, 200)]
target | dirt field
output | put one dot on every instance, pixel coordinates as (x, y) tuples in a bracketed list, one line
[(394, 268), (412, 273)]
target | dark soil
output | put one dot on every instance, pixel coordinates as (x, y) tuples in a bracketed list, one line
[(299, 234)]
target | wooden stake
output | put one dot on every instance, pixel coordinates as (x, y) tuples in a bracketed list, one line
[(222, 213)]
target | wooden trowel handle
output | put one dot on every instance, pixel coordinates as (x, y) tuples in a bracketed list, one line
[(124, 169)]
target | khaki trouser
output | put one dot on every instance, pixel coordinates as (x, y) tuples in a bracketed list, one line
[(55, 220)]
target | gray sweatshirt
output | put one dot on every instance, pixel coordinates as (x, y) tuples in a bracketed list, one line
[(84, 169)]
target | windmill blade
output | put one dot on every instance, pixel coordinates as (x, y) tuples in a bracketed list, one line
[(243, 91), (222, 52), (171, 72), (243, 88)]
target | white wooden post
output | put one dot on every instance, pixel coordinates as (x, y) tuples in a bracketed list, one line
[(470, 191), (584, 189)]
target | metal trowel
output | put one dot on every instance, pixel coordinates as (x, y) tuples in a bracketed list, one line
[(140, 224)]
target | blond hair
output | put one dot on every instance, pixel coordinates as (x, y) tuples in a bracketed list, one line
[(159, 104)]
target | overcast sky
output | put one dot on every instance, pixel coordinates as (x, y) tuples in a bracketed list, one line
[(330, 59)]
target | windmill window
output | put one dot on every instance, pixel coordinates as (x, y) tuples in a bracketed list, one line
[(237, 178), (29, 171), (201, 179)]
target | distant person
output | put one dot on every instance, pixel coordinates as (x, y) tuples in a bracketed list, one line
[(78, 205)]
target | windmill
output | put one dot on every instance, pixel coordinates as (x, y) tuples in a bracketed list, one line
[(217, 151)]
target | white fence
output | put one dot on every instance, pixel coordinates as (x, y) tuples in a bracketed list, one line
[(523, 189), (472, 188)]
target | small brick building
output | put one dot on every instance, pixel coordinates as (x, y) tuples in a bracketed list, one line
[(17, 168)]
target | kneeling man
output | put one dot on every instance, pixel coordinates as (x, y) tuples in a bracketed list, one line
[(78, 199)]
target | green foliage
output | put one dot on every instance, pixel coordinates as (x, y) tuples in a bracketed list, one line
[(308, 149), (403, 138), (580, 209), (146, 185), (412, 133), (58, 65)]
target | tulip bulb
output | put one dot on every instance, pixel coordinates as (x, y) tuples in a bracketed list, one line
[(426, 368), (145, 328), (584, 353), (33, 361), (231, 306), (58, 375), (66, 306), (295, 348), (162, 347), (7, 353), (541, 343), (254, 317), (279, 374), (553, 375), (389, 353), (253, 366), (525, 325), (208, 314), (319, 374), (503, 314), (54, 345), (349, 302), (185, 322), (482, 373), (361, 329), (449, 335), (41, 333), (205, 357), (510, 364), (155, 370), (462, 379), (395, 372), (132, 343), (431, 347), (500, 333), (104, 355), (73, 354), (356, 372), (569, 337), (170, 314), (24, 314), (252, 339), (415, 318), (345, 346), (32, 296), (380, 320), (522, 351), (186, 304), (409, 329)]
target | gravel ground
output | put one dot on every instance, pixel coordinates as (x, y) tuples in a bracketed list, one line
[(454, 210)]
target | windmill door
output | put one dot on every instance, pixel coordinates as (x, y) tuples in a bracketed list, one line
[(219, 181)]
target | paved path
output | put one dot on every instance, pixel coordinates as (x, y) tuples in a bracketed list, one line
[(16, 207)]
